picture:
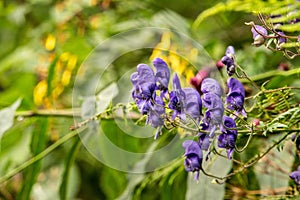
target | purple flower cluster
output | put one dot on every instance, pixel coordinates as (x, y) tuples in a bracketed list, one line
[(153, 98), (146, 86)]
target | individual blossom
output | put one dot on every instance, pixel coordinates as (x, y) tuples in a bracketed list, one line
[(214, 113), (295, 175), (184, 101), (177, 98), (193, 157), (204, 141), (229, 60), (192, 105), (155, 117), (162, 75), (259, 35), (236, 96), (211, 85), (228, 137)]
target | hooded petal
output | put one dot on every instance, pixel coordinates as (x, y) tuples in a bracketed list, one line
[(145, 80), (162, 75), (235, 85), (192, 104), (212, 86)]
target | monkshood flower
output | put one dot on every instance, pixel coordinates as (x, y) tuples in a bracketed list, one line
[(204, 141), (193, 157), (295, 175), (177, 98), (214, 113), (192, 105), (236, 96), (155, 117), (260, 36), (228, 137), (211, 85), (162, 75), (184, 101), (229, 60)]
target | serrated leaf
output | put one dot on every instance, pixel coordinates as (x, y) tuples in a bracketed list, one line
[(7, 117)]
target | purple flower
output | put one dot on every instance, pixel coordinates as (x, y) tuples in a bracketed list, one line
[(236, 96), (193, 157), (213, 115), (229, 60), (155, 117), (228, 137), (235, 85), (204, 141), (281, 40), (192, 104), (162, 75), (295, 175), (177, 98), (211, 85), (259, 37)]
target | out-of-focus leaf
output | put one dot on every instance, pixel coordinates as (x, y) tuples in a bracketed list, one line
[(135, 179), (47, 186), (38, 143), (273, 170), (104, 97), (205, 188), (7, 117), (63, 190)]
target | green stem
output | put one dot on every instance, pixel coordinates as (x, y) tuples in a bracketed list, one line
[(39, 156), (270, 74)]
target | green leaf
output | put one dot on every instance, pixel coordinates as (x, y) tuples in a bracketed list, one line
[(7, 117), (38, 143), (135, 179), (70, 158), (206, 188), (273, 170)]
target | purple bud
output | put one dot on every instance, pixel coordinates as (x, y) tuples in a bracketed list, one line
[(230, 52), (281, 40), (259, 37)]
